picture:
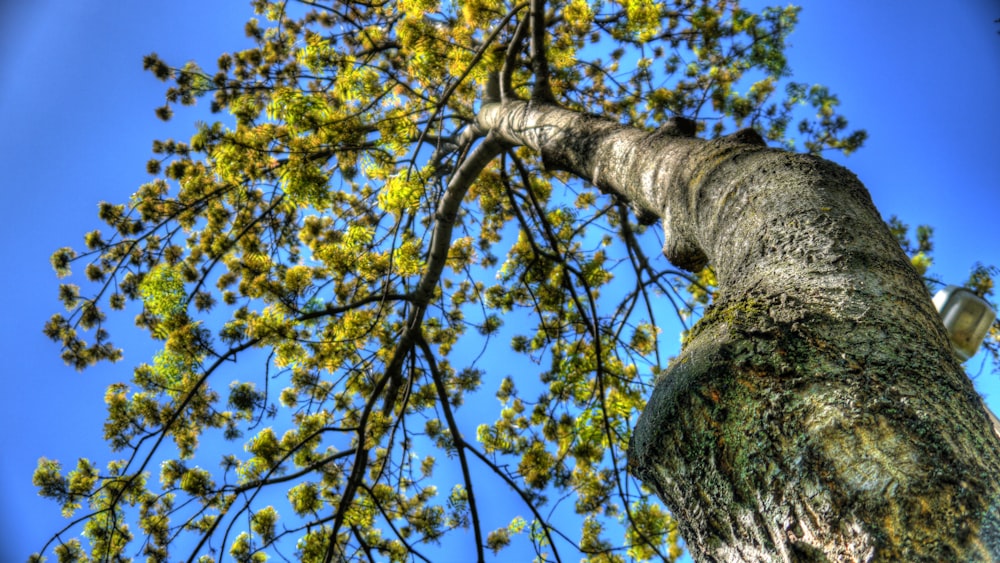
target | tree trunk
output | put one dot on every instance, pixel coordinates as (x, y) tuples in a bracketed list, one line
[(817, 411)]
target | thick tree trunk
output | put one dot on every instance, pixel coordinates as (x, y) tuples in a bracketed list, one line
[(817, 412)]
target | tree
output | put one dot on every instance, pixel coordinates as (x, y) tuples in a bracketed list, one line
[(344, 219)]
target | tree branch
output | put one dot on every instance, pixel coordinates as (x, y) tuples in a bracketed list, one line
[(456, 436), (445, 217), (510, 60), (541, 90)]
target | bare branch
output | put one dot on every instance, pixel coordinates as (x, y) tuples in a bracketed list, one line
[(456, 435)]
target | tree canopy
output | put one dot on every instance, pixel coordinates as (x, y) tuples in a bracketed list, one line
[(311, 260)]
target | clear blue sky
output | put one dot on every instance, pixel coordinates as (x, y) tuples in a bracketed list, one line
[(77, 110)]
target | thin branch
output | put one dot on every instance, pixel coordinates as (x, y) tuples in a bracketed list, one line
[(456, 436), (444, 217), (542, 521), (388, 520), (510, 60), (360, 463)]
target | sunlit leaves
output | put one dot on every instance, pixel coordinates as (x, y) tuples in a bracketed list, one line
[(300, 222), (317, 55), (106, 528), (356, 85), (264, 522), (304, 182), (407, 258), (703, 285), (593, 542), (981, 279), (169, 369), (71, 551), (478, 13), (305, 498), (920, 253), (244, 397), (265, 445), (643, 17), (498, 539), (826, 130), (197, 482), (68, 491), (648, 520), (162, 291), (61, 260), (402, 192), (921, 262), (244, 550), (579, 15)]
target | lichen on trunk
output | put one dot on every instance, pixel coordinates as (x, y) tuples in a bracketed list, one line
[(816, 412)]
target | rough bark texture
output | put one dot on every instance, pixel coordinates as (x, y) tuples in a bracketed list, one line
[(817, 412)]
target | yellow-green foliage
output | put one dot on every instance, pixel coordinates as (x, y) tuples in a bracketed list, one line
[(323, 361), (162, 291)]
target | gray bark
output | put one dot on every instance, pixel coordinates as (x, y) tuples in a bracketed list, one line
[(817, 412)]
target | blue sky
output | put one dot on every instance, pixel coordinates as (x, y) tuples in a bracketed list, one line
[(923, 78)]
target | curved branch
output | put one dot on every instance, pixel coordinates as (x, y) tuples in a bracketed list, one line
[(388, 520), (510, 60), (542, 521), (444, 222)]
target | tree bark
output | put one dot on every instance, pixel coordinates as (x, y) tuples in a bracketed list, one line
[(816, 412)]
